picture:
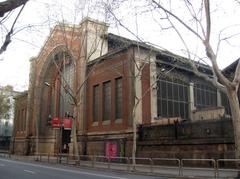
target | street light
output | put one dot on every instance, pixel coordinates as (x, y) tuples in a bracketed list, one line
[(47, 84)]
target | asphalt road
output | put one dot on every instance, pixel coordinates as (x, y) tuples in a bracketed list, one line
[(11, 169)]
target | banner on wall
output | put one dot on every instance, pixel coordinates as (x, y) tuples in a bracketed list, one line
[(111, 150), (67, 123), (56, 123)]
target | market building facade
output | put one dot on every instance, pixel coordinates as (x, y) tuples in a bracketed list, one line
[(98, 82)]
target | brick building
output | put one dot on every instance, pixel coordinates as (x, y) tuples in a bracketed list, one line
[(103, 81)]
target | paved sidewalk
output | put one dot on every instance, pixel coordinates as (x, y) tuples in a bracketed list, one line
[(157, 170)]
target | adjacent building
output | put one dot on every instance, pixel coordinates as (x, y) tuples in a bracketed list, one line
[(6, 115)]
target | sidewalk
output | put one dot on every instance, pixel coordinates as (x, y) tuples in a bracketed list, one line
[(157, 170)]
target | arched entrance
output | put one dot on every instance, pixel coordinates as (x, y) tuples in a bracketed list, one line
[(56, 98)]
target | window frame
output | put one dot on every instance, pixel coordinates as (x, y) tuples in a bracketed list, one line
[(118, 98), (106, 102)]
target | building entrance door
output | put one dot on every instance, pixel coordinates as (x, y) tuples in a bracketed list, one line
[(66, 139)]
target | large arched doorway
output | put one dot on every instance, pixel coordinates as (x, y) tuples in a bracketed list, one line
[(57, 98)]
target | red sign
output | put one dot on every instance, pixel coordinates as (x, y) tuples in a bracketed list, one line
[(111, 150), (56, 122), (67, 123)]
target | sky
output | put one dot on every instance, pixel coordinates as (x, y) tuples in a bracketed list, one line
[(40, 16)]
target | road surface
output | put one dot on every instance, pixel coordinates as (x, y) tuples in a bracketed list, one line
[(11, 169)]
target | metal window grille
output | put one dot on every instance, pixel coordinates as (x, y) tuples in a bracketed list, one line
[(172, 98)]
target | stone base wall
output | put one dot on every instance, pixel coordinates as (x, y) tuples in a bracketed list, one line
[(19, 146), (196, 150), (202, 139), (24, 146), (47, 145), (46, 148), (120, 145), (205, 139)]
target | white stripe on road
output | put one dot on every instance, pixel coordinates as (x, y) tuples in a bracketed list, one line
[(29, 171), (64, 170), (2, 165)]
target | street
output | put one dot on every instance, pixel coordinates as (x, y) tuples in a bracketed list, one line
[(11, 169)]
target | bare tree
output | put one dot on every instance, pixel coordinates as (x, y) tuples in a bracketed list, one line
[(197, 21), (220, 81), (201, 18)]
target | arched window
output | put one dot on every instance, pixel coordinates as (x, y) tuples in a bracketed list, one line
[(60, 82), (66, 76)]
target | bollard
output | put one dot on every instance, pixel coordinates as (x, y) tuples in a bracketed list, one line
[(151, 163), (217, 167), (60, 158), (181, 168), (79, 158), (108, 162), (128, 164), (93, 160)]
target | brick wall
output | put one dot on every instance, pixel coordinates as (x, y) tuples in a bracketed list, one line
[(108, 71)]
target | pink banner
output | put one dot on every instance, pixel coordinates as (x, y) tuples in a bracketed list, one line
[(111, 150)]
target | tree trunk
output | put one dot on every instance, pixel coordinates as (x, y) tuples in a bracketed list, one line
[(134, 146), (235, 113), (74, 135)]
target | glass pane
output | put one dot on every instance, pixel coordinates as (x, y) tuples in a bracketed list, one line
[(95, 103), (176, 110), (164, 109), (118, 98), (170, 108), (175, 92), (163, 89), (169, 90), (106, 101)]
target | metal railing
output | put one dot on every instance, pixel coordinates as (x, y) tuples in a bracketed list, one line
[(164, 166), (228, 168), (211, 168)]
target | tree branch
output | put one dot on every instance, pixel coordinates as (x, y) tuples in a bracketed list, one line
[(208, 20), (7, 40), (9, 5), (178, 19), (236, 79)]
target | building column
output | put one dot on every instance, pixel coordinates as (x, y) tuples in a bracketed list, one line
[(153, 82), (191, 100)]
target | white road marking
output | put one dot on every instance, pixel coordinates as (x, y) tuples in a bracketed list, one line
[(29, 171), (2, 165), (64, 170)]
